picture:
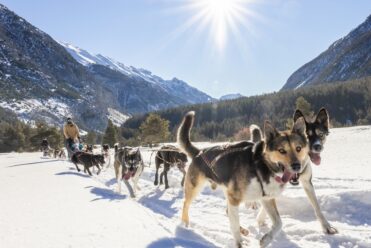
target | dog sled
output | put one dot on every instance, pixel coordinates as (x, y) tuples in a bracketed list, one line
[(72, 147)]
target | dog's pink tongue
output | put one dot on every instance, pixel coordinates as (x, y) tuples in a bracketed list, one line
[(127, 176), (315, 158), (286, 176)]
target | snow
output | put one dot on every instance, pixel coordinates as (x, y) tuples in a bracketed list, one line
[(117, 117), (85, 58), (230, 96), (25, 108), (47, 203), (301, 84)]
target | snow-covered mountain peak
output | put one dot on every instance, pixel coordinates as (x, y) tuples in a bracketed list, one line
[(174, 86), (230, 96)]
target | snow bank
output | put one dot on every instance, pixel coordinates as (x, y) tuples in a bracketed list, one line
[(47, 203)]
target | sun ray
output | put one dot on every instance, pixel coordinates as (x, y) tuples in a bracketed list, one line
[(221, 17), (222, 21)]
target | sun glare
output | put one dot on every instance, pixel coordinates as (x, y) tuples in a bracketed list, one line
[(220, 17)]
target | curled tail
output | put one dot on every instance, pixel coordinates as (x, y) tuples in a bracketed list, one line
[(183, 138), (256, 133)]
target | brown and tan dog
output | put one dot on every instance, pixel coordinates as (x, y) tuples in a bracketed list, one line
[(247, 172)]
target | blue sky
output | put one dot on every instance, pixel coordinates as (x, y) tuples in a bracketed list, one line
[(275, 39)]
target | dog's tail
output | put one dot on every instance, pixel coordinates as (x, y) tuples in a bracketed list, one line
[(183, 137), (255, 133)]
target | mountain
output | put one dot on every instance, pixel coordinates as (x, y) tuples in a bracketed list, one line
[(175, 87), (40, 80), (230, 96), (347, 58)]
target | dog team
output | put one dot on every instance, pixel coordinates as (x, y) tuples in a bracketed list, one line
[(248, 172)]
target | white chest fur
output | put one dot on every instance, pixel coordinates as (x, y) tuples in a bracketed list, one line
[(255, 192)]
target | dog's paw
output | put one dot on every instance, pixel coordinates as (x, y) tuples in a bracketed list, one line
[(330, 230), (155, 183), (261, 223), (254, 205), (213, 186), (244, 231), (266, 240), (184, 224)]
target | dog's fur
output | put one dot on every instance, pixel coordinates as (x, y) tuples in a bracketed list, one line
[(128, 164), (89, 148), (105, 148), (169, 156), (106, 154), (88, 160), (317, 129), (59, 153), (247, 174)]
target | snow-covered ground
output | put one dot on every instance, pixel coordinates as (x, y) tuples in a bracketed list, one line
[(47, 203)]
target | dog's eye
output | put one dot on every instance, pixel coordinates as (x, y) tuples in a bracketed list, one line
[(282, 151), (320, 135), (298, 148)]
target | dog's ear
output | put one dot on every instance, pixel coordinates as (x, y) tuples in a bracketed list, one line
[(270, 132), (298, 114), (299, 126), (323, 118)]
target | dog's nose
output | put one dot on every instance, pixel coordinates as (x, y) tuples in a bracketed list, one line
[(317, 147), (296, 166)]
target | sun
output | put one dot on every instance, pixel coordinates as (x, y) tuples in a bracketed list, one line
[(220, 18)]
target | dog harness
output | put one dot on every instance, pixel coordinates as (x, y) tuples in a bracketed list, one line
[(211, 164), (164, 150)]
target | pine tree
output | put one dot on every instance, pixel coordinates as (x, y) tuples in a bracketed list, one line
[(304, 106), (91, 138), (110, 135), (154, 129)]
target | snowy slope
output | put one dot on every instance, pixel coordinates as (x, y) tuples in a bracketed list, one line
[(28, 110), (230, 96), (117, 117), (347, 58), (47, 203), (174, 86)]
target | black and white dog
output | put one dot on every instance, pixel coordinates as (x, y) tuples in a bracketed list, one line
[(106, 154), (316, 129), (169, 156), (88, 160), (128, 165)]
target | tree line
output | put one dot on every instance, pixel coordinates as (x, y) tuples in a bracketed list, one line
[(19, 136), (348, 103)]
